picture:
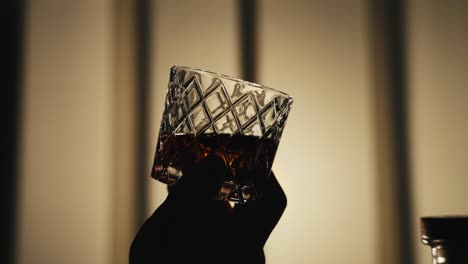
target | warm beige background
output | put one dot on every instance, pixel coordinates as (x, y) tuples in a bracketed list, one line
[(318, 51), (64, 186), (325, 160), (438, 64)]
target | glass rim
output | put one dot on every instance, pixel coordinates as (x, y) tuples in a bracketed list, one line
[(238, 80)]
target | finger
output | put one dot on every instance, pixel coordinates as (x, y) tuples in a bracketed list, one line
[(260, 217)]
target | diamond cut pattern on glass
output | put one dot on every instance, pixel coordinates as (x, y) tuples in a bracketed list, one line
[(254, 129), (245, 110), (209, 130), (227, 124), (202, 102), (217, 102), (236, 90), (240, 104), (207, 83), (199, 118), (264, 97), (184, 128), (269, 117), (191, 97), (175, 115)]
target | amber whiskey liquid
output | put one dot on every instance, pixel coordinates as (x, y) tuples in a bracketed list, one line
[(248, 161)]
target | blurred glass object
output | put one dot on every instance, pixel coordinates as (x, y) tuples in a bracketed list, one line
[(447, 237)]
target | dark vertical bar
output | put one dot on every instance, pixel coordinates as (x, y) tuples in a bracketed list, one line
[(143, 82), (398, 71), (248, 37), (387, 33), (12, 12)]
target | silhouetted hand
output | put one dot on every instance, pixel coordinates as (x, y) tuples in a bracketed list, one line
[(192, 227)]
